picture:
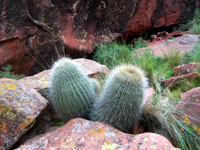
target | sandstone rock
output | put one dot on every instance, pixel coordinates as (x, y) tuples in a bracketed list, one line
[(40, 82), (155, 14), (173, 81), (33, 31), (188, 110), (30, 35), (84, 134), (185, 69), (184, 43), (19, 107)]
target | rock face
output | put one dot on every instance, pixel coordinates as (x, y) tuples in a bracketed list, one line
[(155, 14), (84, 134), (19, 107), (33, 31), (30, 35)]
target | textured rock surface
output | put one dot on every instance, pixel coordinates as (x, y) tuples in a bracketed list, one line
[(33, 31), (173, 81), (184, 43), (19, 107), (30, 35), (185, 69), (154, 14), (84, 134), (188, 110), (40, 81)]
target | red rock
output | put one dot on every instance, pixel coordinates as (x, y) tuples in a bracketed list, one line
[(156, 14), (19, 107), (30, 36), (40, 81), (84, 134), (185, 69), (177, 33), (184, 43), (173, 81), (33, 31), (188, 110)]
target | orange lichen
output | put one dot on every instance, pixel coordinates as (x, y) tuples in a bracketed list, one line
[(198, 131), (182, 129), (187, 121), (195, 127), (11, 86)]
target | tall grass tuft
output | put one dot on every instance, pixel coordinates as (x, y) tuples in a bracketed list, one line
[(173, 57), (113, 54)]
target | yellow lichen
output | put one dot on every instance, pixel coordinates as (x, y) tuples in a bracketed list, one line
[(11, 86), (198, 131), (187, 121), (195, 127), (109, 145), (153, 147)]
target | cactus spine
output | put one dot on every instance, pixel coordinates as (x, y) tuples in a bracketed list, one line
[(71, 90), (121, 101)]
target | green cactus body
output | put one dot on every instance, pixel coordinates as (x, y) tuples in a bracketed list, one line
[(71, 91), (96, 85), (122, 99)]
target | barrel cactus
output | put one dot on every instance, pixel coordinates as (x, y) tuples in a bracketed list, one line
[(71, 91), (122, 99)]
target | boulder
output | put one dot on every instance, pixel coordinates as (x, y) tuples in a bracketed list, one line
[(188, 110), (185, 68), (184, 43), (20, 105), (83, 134), (174, 81), (40, 81)]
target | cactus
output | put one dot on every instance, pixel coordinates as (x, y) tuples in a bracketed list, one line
[(71, 91), (96, 85), (122, 99)]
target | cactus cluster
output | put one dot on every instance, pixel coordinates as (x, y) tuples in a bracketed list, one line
[(71, 91), (122, 99), (119, 104)]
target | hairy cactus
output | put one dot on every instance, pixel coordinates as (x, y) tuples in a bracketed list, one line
[(122, 99), (96, 85), (71, 91)]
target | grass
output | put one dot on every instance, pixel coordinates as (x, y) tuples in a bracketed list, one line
[(173, 57), (8, 74), (113, 54), (159, 114), (195, 29)]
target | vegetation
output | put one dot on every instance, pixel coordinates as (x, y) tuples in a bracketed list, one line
[(8, 74), (195, 29), (159, 116), (113, 54)]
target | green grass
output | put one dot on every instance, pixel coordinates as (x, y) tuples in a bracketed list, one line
[(113, 54), (8, 74), (195, 29), (173, 57)]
